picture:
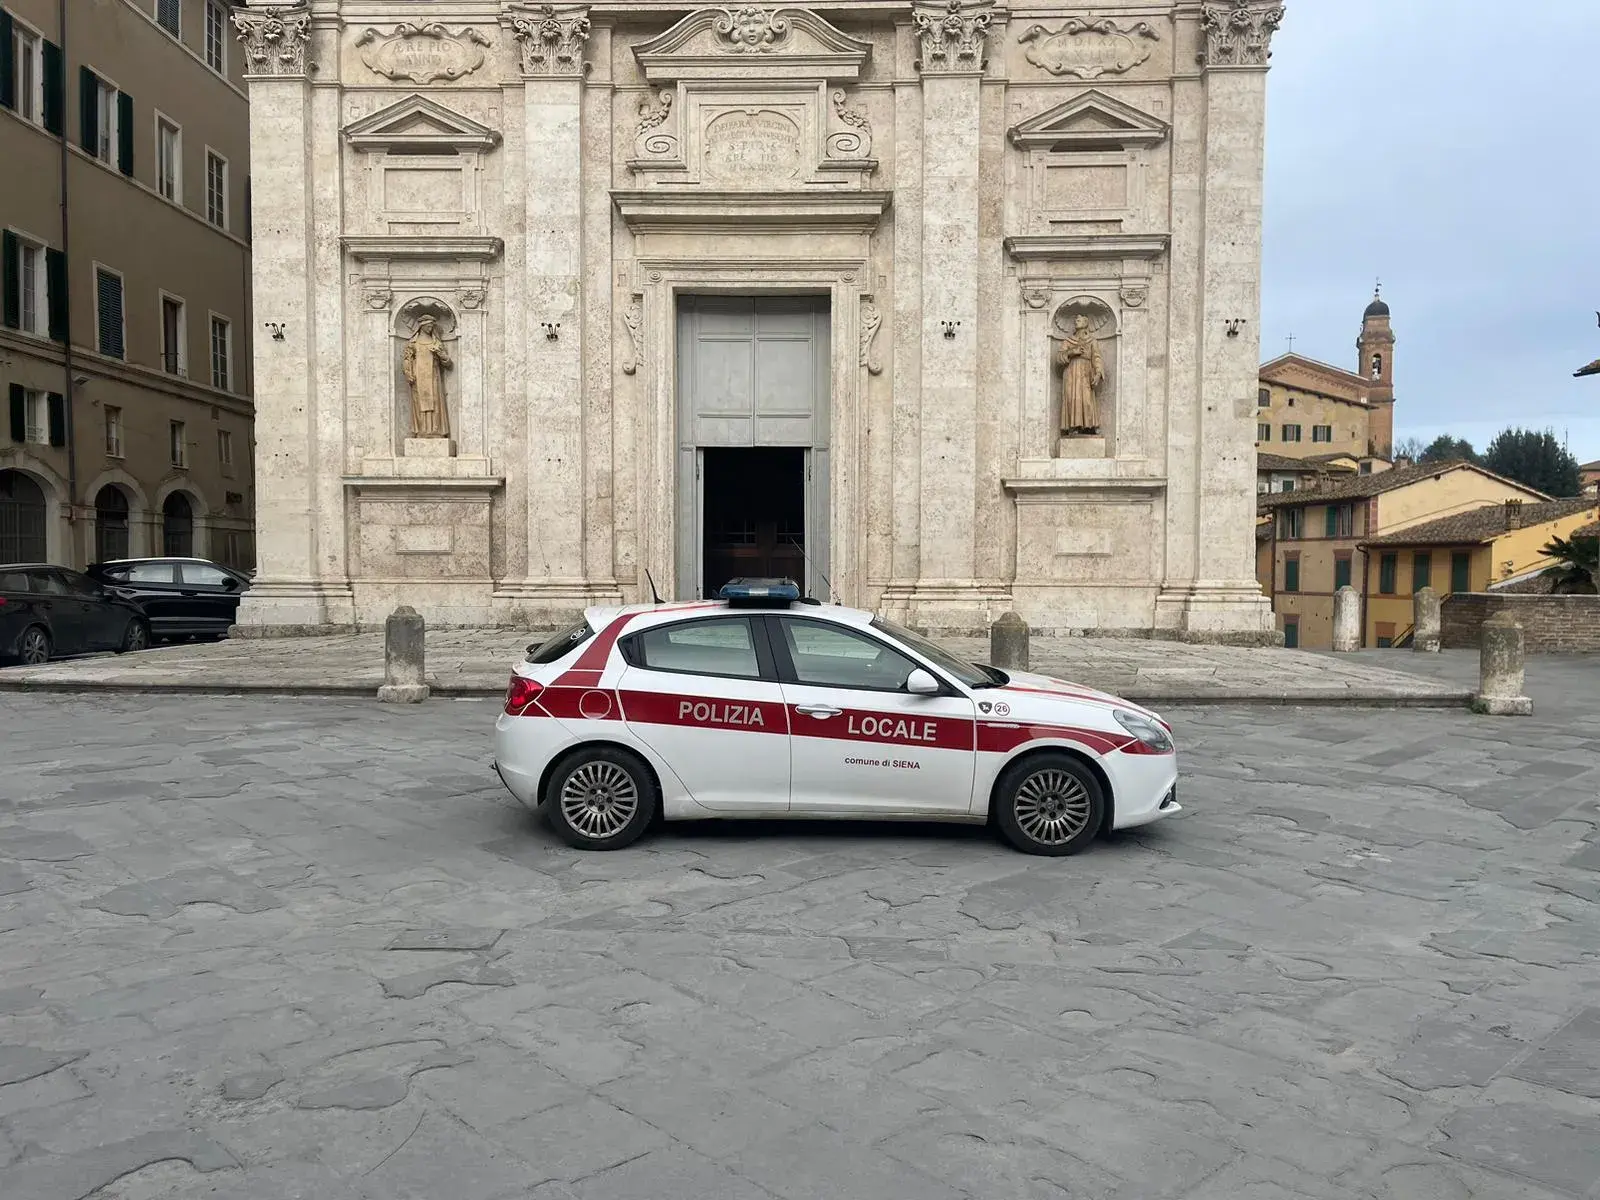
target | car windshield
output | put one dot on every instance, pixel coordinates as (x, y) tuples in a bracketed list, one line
[(968, 673)]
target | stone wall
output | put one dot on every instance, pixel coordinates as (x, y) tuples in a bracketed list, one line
[(1549, 623)]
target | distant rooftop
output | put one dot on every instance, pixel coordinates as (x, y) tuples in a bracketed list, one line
[(1479, 524)]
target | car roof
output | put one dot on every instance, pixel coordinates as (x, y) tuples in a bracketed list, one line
[(120, 562), (642, 616), (34, 567)]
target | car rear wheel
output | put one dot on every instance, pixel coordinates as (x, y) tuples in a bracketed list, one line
[(600, 798), (136, 638), (33, 649), (1049, 804)]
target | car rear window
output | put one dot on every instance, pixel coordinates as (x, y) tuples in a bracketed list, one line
[(561, 644), (13, 581), (152, 572)]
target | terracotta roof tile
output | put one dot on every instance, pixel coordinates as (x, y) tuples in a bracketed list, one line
[(1358, 487), (1478, 524)]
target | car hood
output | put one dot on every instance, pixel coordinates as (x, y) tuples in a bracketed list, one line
[(1033, 692)]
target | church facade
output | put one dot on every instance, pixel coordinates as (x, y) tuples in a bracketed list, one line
[(943, 308)]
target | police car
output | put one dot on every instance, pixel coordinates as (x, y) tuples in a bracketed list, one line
[(764, 704)]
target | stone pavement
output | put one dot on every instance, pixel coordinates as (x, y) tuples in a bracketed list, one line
[(478, 662), (259, 948)]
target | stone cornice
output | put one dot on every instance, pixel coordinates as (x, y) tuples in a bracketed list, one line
[(730, 41), (840, 210), (1239, 33), (275, 40), (449, 249), (1064, 247)]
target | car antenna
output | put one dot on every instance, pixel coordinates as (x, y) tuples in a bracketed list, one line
[(655, 596), (832, 597)]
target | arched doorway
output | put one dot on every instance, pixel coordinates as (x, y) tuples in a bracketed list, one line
[(22, 519), (110, 524), (177, 527)]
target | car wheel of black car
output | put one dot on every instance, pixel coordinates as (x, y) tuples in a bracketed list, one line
[(33, 648), (136, 638)]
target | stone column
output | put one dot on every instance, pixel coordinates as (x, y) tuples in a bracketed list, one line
[(290, 591), (1346, 620), (1500, 669), (1210, 587), (1425, 621)]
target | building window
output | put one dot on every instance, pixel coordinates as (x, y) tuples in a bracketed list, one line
[(27, 301), (1291, 635), (103, 110), (1322, 433), (216, 189), (1386, 572), (1291, 575), (1421, 572), (1366, 468), (216, 37), (177, 526), (1263, 432), (178, 441), (1341, 572), (169, 160), (108, 313), (169, 15), (1377, 366), (1291, 524), (174, 359), (1340, 520), (1384, 632), (1288, 486), (1461, 571), (27, 78), (1291, 433), (221, 354), (35, 417), (225, 451), (1264, 398), (113, 432)]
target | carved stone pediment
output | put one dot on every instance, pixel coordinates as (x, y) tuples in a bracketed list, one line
[(418, 122), (752, 41), (1091, 119)]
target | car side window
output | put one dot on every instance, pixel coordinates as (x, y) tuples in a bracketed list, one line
[(827, 655), (724, 646), (81, 586), (203, 574), (153, 572), (49, 583), (13, 581)]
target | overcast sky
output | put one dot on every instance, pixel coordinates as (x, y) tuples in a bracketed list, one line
[(1451, 147)]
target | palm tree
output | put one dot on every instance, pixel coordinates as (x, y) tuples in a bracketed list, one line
[(1578, 557)]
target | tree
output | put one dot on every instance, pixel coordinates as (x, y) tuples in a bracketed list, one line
[(1579, 559), (1534, 459), (1409, 448), (1445, 448)]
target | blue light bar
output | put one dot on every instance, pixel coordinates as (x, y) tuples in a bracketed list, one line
[(776, 592)]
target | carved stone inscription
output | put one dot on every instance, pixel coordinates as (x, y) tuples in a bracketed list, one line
[(422, 53), (752, 147), (1090, 49)]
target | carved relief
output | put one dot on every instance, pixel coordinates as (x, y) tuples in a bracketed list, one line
[(1239, 32), (952, 37), (274, 40), (751, 30), (854, 141), (871, 321), (652, 140), (1134, 297), (378, 299), (1035, 297), (552, 41), (473, 298), (1090, 49), (752, 147), (633, 318), (422, 54)]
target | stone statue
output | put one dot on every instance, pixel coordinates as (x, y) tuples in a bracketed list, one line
[(425, 362), (1083, 371)]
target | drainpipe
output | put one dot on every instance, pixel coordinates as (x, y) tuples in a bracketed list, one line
[(70, 401)]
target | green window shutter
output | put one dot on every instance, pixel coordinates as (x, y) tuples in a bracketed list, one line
[(1421, 572), (1460, 572), (8, 62), (1386, 572), (11, 280), (1291, 575), (1333, 520), (89, 110), (55, 89), (125, 133), (55, 281), (58, 419), (1341, 573), (19, 413)]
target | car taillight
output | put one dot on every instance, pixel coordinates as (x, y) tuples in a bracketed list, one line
[(521, 694)]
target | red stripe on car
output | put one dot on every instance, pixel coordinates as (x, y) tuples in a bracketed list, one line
[(707, 712), (886, 729)]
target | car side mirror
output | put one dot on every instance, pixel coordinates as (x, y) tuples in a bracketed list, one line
[(921, 683), (230, 584)]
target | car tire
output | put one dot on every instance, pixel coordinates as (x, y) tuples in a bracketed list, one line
[(33, 647), (1049, 804), (135, 638), (600, 798)]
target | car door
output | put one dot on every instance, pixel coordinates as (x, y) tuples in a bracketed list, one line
[(69, 620), (209, 595), (104, 623), (18, 608), (859, 741), (154, 585), (704, 695)]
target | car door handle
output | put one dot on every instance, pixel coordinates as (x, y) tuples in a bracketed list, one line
[(188, 593), (820, 711)]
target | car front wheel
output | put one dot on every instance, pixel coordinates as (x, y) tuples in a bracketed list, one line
[(601, 798), (33, 650), (136, 638), (1049, 804)]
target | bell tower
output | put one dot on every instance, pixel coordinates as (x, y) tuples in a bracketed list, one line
[(1376, 349)]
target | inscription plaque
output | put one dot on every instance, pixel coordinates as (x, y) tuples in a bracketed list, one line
[(1089, 49), (752, 146)]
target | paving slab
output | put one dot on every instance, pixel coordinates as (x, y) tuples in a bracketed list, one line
[(466, 662)]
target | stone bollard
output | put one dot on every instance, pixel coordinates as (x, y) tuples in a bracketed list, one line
[(1500, 670), (1346, 620), (1008, 643), (404, 681), (1425, 621)]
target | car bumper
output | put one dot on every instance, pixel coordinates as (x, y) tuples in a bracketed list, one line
[(1146, 788)]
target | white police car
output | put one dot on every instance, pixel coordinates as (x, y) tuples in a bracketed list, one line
[(765, 705)]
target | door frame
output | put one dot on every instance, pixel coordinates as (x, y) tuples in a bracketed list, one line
[(692, 551)]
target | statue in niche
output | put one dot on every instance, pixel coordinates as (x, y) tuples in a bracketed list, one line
[(425, 361), (1083, 373)]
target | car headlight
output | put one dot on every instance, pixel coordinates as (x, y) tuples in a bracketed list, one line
[(1151, 735)]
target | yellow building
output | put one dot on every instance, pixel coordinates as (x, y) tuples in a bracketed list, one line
[(1312, 544), (1306, 408), (1466, 552)]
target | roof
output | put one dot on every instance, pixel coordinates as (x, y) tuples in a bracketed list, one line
[(1592, 369), (1267, 461), (1359, 487), (1479, 525), (1376, 309), (1592, 466), (1337, 375)]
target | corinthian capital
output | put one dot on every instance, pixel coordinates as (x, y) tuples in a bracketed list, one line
[(952, 36), (1239, 32), (552, 39), (274, 39)]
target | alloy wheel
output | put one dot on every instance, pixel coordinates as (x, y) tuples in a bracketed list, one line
[(138, 637), (599, 799), (35, 648), (1052, 807)]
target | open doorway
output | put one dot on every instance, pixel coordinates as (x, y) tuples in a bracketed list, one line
[(754, 502)]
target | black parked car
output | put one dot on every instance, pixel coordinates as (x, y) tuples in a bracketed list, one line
[(182, 597), (46, 611)]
